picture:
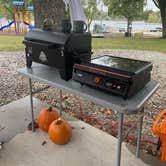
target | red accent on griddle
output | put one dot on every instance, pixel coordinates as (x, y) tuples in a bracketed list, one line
[(102, 71)]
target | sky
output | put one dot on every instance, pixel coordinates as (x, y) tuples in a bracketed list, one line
[(151, 6)]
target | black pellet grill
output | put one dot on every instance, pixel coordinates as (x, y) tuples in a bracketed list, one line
[(56, 49), (115, 75)]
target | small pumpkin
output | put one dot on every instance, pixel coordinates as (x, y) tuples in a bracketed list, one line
[(60, 131), (46, 117)]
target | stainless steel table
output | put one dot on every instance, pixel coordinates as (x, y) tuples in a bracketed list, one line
[(133, 105)]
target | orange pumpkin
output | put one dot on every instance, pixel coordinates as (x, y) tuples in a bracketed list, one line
[(46, 117), (60, 131)]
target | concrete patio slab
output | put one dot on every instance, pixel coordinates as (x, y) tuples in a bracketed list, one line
[(88, 146), (15, 117)]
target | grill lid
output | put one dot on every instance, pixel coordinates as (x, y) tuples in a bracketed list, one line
[(47, 36)]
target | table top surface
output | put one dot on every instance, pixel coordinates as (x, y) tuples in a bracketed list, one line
[(51, 76)]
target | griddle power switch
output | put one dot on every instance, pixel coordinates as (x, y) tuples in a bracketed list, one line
[(109, 84), (79, 74)]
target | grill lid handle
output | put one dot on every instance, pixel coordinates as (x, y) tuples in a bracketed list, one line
[(40, 44)]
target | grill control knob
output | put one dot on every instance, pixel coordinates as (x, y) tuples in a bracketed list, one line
[(118, 87), (114, 86), (109, 84), (98, 80)]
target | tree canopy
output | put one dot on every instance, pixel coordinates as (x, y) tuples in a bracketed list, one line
[(91, 10), (152, 16), (2, 10), (6, 7), (129, 9)]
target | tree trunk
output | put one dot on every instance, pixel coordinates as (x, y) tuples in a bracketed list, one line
[(128, 28), (164, 26), (52, 9), (162, 6), (88, 25)]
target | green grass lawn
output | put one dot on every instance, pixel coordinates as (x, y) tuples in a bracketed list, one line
[(11, 43), (151, 44), (14, 43)]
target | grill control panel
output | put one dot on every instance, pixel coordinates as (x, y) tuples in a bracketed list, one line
[(101, 82)]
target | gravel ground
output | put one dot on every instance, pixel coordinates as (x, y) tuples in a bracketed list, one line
[(13, 86)]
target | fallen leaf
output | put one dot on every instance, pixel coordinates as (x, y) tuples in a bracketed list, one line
[(43, 143), (2, 128), (108, 112), (42, 97), (65, 97), (97, 126), (3, 110), (1, 145)]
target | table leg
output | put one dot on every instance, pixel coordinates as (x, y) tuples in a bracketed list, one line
[(31, 102), (140, 123), (60, 102), (120, 138)]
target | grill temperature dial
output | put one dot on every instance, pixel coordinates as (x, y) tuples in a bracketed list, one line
[(98, 80)]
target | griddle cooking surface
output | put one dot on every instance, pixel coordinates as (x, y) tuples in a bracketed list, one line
[(119, 63)]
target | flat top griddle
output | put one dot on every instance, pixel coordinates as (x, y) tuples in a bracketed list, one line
[(119, 63), (115, 75)]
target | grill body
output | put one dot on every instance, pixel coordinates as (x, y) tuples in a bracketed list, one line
[(56, 49)]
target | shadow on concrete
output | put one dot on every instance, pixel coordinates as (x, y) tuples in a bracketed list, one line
[(146, 158)]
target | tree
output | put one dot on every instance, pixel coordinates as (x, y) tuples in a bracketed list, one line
[(129, 9), (154, 17), (161, 4), (51, 9), (151, 16), (8, 7), (2, 10), (91, 10)]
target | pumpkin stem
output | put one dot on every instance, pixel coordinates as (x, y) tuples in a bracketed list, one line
[(49, 109), (59, 121)]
